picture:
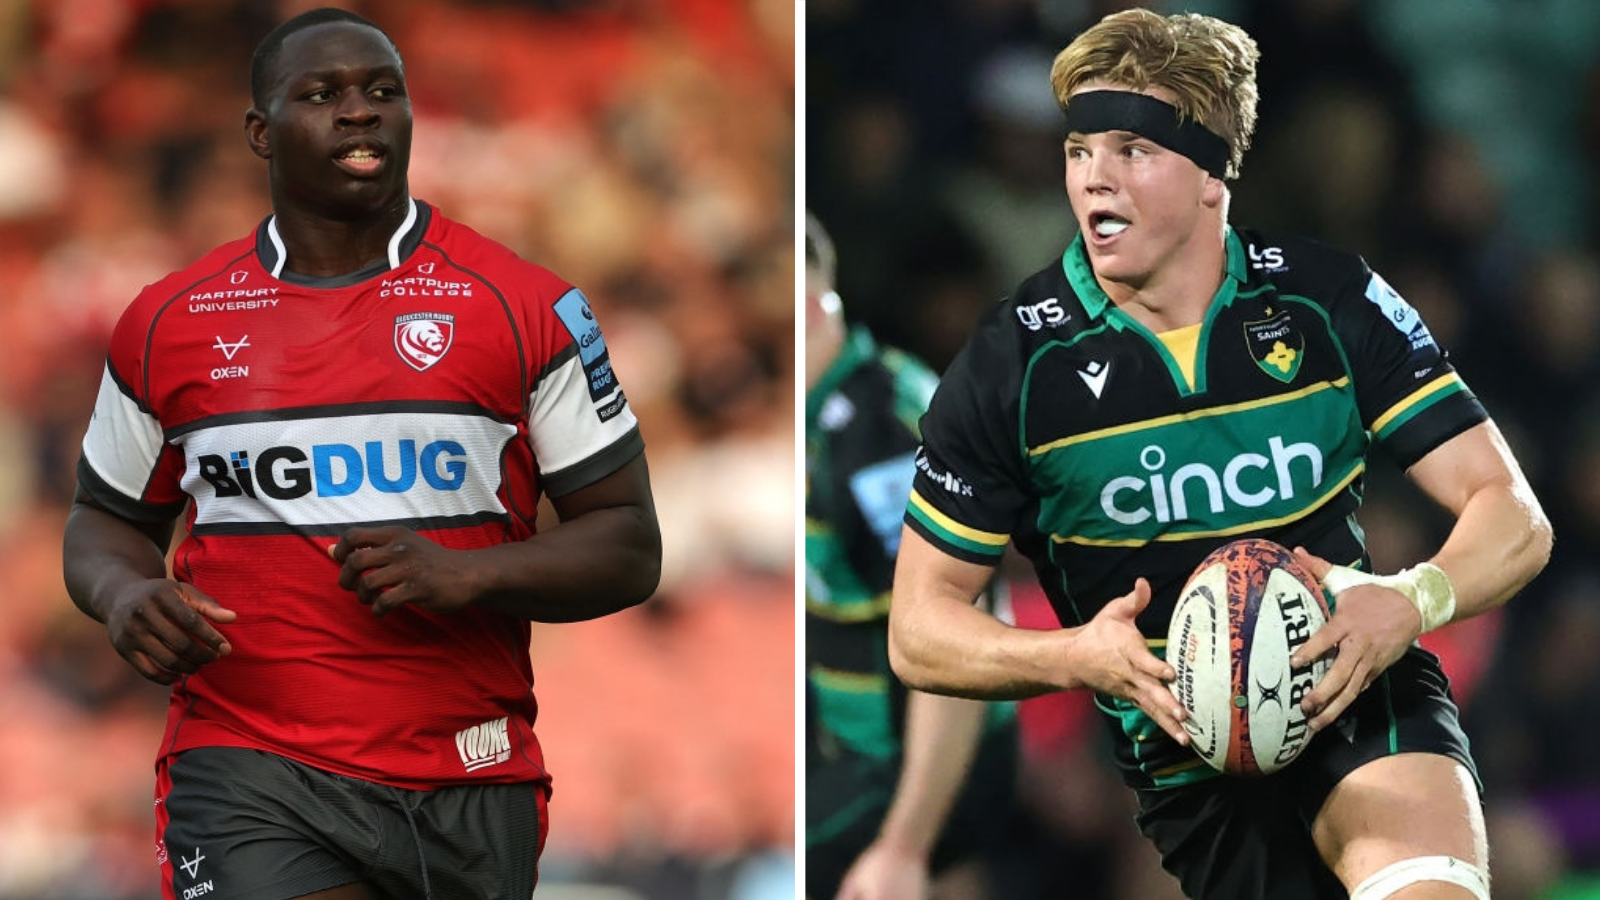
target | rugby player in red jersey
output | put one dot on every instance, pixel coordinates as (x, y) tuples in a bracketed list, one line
[(356, 410)]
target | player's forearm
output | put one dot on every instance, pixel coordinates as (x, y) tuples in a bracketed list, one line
[(963, 652), (941, 740), (939, 642), (1500, 541), (596, 564), (102, 553)]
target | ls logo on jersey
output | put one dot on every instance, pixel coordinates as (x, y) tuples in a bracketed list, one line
[(423, 339), (1275, 345), (574, 312)]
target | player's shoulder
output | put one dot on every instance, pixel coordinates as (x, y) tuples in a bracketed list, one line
[(490, 260), (1034, 309), (1302, 266), (1040, 310), (222, 274)]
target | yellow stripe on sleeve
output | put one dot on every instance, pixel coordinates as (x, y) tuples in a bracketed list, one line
[(1415, 397), (956, 528)]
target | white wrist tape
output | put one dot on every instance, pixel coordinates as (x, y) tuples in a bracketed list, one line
[(1424, 584), (1386, 882)]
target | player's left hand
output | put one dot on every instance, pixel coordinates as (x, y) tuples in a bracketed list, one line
[(1370, 629), (391, 566)]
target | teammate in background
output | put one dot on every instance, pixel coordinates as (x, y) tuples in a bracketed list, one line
[(346, 624), (900, 785), (1174, 382)]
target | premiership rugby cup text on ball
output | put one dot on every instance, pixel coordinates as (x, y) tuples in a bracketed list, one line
[(1239, 618)]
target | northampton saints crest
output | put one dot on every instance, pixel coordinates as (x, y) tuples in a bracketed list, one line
[(1275, 345)]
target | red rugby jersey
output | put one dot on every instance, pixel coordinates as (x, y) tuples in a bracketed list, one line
[(443, 390)]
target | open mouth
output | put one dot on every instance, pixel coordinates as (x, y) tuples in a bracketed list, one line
[(363, 160), (1107, 225)]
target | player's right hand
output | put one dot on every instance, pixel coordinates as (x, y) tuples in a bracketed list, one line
[(885, 872), (163, 629), (1110, 655)]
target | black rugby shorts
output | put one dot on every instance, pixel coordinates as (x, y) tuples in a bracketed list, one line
[(250, 825), (1230, 838)]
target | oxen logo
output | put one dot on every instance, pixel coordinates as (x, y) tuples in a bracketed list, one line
[(423, 339)]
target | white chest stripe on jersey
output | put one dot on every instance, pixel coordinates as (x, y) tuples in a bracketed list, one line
[(123, 443), (341, 469)]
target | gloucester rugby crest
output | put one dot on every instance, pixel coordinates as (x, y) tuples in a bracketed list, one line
[(423, 339)]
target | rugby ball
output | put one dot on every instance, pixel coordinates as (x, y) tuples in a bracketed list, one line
[(1240, 616)]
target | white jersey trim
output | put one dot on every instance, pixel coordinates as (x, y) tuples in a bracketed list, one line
[(123, 443), (565, 426)]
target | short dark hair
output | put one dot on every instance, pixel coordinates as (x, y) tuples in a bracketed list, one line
[(819, 248), (266, 55)]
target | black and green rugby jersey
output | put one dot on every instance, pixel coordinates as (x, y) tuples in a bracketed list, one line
[(861, 438), (1069, 429)]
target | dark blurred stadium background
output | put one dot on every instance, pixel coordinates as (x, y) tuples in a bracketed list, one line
[(1453, 142), (644, 149)]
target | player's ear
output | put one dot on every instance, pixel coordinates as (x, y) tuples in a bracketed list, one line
[(255, 133)]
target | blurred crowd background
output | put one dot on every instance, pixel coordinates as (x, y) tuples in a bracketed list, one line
[(644, 150), (1451, 143)]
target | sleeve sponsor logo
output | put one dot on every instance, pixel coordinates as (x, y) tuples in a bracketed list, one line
[(614, 408), (1398, 312), (951, 482), (574, 312)]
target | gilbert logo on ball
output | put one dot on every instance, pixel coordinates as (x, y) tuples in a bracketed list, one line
[(1239, 618)]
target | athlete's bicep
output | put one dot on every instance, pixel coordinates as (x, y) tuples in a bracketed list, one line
[(1472, 461), (627, 488), (926, 577), (940, 642)]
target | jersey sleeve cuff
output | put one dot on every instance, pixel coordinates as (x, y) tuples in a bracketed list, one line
[(961, 541), (121, 505), (596, 467)]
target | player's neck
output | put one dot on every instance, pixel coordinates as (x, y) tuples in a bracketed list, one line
[(318, 246), (1180, 289)]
